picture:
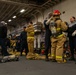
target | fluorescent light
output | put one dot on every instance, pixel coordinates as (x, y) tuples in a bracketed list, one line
[(23, 10), (14, 16), (9, 20)]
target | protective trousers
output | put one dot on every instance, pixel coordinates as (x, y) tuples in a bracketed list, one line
[(30, 41), (57, 48)]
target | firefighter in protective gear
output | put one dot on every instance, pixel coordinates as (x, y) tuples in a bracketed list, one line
[(30, 40), (57, 26)]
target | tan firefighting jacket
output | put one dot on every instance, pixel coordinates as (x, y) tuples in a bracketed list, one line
[(60, 26), (30, 31)]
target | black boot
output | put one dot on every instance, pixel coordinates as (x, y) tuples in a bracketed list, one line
[(47, 59), (72, 59)]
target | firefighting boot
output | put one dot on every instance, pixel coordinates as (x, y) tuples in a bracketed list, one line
[(62, 61), (72, 59)]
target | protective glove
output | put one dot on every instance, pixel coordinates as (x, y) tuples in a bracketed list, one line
[(48, 21), (74, 33)]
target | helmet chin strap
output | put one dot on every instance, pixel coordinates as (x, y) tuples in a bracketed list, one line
[(56, 17)]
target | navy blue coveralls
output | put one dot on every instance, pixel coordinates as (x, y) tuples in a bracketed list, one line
[(23, 40), (47, 39), (3, 36), (72, 39)]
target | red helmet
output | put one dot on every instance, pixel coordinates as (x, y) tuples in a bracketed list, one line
[(56, 12)]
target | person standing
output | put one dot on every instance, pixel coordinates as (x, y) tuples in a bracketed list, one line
[(57, 26), (3, 36), (72, 36), (30, 40), (47, 36), (23, 40)]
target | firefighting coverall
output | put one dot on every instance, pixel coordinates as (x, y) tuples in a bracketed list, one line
[(57, 40), (30, 40)]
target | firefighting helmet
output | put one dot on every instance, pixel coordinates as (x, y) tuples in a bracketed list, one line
[(56, 12)]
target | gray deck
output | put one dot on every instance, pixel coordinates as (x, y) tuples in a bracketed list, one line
[(37, 67)]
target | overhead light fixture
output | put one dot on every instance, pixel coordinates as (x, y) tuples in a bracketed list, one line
[(23, 10), (14, 16), (9, 20)]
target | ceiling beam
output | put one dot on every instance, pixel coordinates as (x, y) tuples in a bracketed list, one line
[(18, 3), (2, 9), (16, 10), (5, 11)]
